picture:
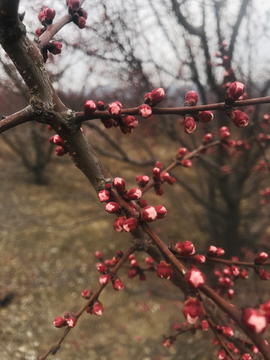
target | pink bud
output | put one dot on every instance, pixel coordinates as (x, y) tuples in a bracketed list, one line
[(145, 111), (207, 138), (227, 331), (71, 321), (104, 279), (55, 139), (191, 98), (205, 116), (245, 357), (192, 309), (108, 123), (161, 211), (118, 285), (186, 163), (164, 270), (264, 275), (149, 261), (205, 325), (102, 268), (159, 190), (81, 22), (231, 293), (235, 270), (118, 224), (221, 355), (254, 320), (235, 90), (261, 257), (189, 125), (112, 207), (200, 259), (181, 152), (212, 251), (195, 278), (55, 47), (224, 133), (104, 195), (185, 248), (60, 151), (98, 255), (149, 214), (157, 95), (244, 274), (134, 194), (239, 118), (220, 252), (119, 184), (98, 308), (86, 294), (115, 108), (159, 165), (130, 121), (143, 203), (89, 107), (59, 322), (156, 172), (132, 273), (130, 224)]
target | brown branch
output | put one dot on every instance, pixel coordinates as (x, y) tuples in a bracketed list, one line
[(17, 118), (81, 116)]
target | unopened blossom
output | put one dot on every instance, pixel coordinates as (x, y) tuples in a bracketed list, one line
[(205, 116), (185, 248), (112, 207), (130, 224), (181, 152), (118, 285), (134, 194), (164, 270), (235, 90), (98, 308), (115, 108), (59, 322), (104, 195), (71, 321), (191, 98), (261, 257), (145, 111), (192, 309), (156, 96), (149, 214), (239, 118), (254, 320), (161, 211), (118, 224), (195, 278), (104, 279), (89, 107), (189, 125)]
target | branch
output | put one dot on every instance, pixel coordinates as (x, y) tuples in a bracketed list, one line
[(16, 119)]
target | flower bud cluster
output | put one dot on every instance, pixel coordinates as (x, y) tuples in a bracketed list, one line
[(54, 47), (155, 97), (69, 319), (61, 149), (79, 16), (46, 16), (160, 177)]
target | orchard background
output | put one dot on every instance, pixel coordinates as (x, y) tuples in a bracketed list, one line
[(52, 220)]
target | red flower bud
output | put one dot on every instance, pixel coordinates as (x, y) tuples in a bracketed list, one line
[(98, 308), (81, 22), (195, 278), (145, 111), (134, 194), (158, 164), (149, 214), (235, 270), (56, 140), (224, 133), (186, 163), (159, 191), (143, 203), (244, 274), (239, 118), (161, 211), (220, 252), (205, 116), (235, 90), (207, 138), (192, 309), (89, 107), (254, 320), (59, 322), (86, 294), (118, 224), (261, 257), (205, 325), (149, 261), (221, 355), (115, 108), (156, 96), (118, 285), (212, 250), (189, 125), (55, 47), (191, 98), (104, 279), (112, 207), (264, 275), (102, 268), (130, 224), (227, 331), (181, 152), (71, 321), (130, 121), (98, 255), (156, 172), (185, 248), (245, 357), (164, 270), (104, 195), (60, 151), (200, 258), (108, 123)]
